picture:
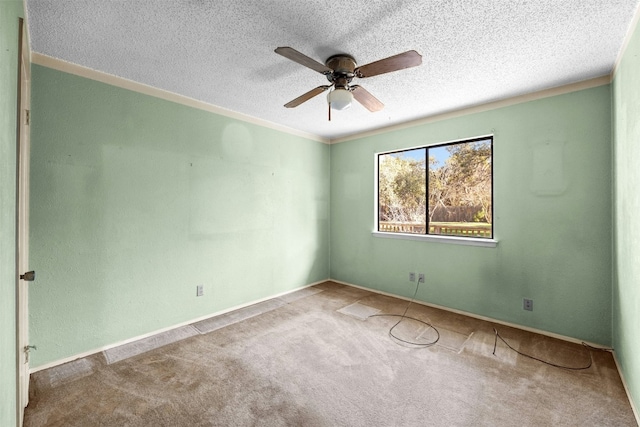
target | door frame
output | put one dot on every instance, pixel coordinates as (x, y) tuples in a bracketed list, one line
[(22, 220)]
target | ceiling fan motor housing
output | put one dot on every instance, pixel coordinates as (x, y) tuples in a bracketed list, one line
[(343, 67)]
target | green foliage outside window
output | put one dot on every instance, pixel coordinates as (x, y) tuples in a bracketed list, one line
[(459, 196)]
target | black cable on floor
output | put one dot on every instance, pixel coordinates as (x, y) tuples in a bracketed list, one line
[(404, 316), (569, 368)]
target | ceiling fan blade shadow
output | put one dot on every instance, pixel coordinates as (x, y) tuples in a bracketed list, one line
[(307, 96), (408, 59), (271, 73), (302, 59), (365, 98)]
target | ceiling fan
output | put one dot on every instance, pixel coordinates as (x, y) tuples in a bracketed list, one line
[(340, 71)]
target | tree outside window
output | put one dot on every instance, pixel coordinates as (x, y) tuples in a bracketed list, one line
[(450, 194)]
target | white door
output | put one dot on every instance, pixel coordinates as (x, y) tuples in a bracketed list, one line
[(23, 226)]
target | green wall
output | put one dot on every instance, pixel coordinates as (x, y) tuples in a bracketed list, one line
[(10, 12), (553, 226), (135, 201), (626, 248)]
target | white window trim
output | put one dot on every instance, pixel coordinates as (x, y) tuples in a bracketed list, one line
[(466, 241)]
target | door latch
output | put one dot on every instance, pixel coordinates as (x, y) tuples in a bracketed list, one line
[(29, 276), (27, 350)]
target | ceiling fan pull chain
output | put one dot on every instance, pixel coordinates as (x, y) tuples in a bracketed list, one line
[(329, 104)]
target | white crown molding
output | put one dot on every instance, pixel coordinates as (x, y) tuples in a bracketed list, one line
[(78, 70), (75, 69), (546, 93), (627, 38)]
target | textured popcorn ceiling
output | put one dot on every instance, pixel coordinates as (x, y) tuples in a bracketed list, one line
[(221, 52)]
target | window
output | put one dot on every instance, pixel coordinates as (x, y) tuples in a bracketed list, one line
[(444, 190)]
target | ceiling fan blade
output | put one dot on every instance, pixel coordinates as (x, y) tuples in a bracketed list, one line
[(303, 59), (307, 96), (365, 98), (408, 59)]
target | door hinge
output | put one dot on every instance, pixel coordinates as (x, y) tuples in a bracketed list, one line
[(27, 114), (29, 276), (27, 350)]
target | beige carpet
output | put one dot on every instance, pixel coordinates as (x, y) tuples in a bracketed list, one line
[(311, 361)]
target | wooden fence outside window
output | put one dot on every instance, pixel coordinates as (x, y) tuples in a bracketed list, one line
[(461, 230)]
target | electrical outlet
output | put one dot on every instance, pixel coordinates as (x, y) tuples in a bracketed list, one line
[(527, 304), (199, 290), (412, 277), (421, 278)]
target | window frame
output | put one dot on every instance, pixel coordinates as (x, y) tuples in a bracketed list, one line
[(468, 241)]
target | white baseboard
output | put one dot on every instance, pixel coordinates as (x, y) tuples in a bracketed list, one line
[(626, 389), (636, 413), (159, 331), (477, 316), (464, 313)]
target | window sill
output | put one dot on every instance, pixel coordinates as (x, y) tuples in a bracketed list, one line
[(467, 241)]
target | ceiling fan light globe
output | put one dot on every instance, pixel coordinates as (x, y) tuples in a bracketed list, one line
[(340, 99)]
